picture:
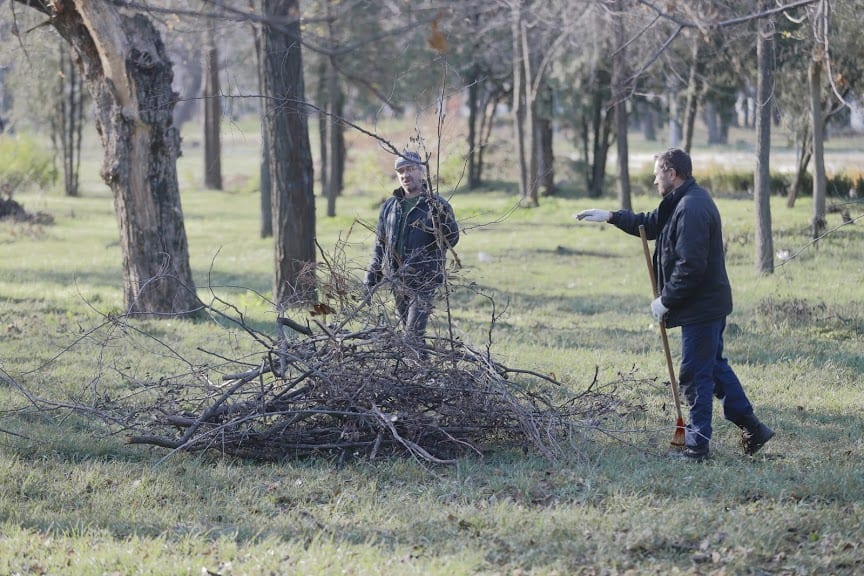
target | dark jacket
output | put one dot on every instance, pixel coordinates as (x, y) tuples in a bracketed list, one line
[(689, 262), (431, 230)]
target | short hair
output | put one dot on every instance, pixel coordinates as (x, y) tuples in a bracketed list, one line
[(676, 159)]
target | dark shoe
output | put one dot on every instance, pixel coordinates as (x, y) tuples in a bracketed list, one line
[(755, 437), (689, 454)]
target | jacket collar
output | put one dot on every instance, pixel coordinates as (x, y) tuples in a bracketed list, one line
[(670, 201)]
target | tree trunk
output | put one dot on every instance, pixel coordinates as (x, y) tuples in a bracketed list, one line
[(473, 104), (490, 105), (649, 121), (674, 116), (600, 128), (532, 197), (70, 119), (265, 185), (797, 186), (619, 72), (818, 126), (693, 90), (819, 184), (337, 144), (709, 115), (290, 156), (212, 114), (762, 183), (545, 154), (128, 74), (519, 104), (332, 88)]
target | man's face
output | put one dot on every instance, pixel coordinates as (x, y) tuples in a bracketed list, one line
[(410, 178), (663, 178)]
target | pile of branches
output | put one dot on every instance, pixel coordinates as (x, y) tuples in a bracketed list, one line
[(13, 211), (366, 393), (353, 386)]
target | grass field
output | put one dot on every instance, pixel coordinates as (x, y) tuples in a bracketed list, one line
[(74, 499)]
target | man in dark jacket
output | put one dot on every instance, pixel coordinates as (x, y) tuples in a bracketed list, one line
[(415, 229), (695, 294)]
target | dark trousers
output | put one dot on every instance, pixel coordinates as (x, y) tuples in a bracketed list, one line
[(414, 307), (706, 373)]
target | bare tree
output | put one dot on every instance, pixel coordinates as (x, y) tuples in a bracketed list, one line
[(820, 30), (69, 119), (212, 113), (289, 151), (124, 65), (764, 106), (619, 81)]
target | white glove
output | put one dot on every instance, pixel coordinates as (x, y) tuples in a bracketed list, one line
[(658, 310), (594, 215)]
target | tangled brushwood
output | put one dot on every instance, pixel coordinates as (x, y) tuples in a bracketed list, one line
[(371, 392), (340, 379)]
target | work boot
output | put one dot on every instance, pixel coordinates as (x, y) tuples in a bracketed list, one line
[(754, 435)]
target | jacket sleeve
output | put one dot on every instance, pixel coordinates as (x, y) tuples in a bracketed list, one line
[(629, 222), (374, 271), (447, 221)]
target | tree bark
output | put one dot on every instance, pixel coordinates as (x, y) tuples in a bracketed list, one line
[(818, 126), (693, 90), (128, 74), (601, 123), (764, 104), (265, 185), (545, 154), (212, 115), (519, 104), (797, 186), (473, 103), (70, 119), (619, 72), (290, 155)]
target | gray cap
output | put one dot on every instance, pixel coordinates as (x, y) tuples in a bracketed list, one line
[(408, 159)]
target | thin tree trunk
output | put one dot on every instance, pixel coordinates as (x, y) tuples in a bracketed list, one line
[(818, 125), (490, 104), (212, 114), (649, 121), (265, 184), (797, 186), (473, 116), (70, 120), (619, 71), (332, 138), (546, 155), (601, 123), (338, 151), (519, 87), (290, 156), (531, 197), (674, 116), (693, 90), (762, 184), (323, 121)]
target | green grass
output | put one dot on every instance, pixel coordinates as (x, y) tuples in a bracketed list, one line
[(76, 500)]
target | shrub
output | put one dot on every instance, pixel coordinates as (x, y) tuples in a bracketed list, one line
[(24, 163), (720, 183)]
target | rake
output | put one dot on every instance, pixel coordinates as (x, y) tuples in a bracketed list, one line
[(678, 437)]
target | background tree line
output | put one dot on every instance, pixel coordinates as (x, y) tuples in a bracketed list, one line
[(584, 71)]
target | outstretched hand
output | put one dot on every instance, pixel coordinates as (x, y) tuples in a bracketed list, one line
[(594, 215)]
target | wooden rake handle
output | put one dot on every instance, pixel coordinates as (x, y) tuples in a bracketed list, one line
[(672, 380)]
